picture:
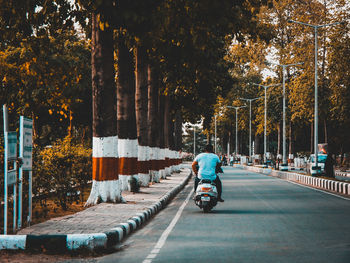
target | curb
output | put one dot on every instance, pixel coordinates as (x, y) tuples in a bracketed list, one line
[(324, 184), (344, 174), (94, 241)]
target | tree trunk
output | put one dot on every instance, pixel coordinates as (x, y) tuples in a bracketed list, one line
[(325, 131), (142, 113), (105, 186), (279, 138), (153, 131), (312, 138), (70, 127), (161, 142), (166, 135), (208, 137), (257, 144), (178, 138), (206, 127), (171, 153), (291, 142), (127, 133), (178, 130)]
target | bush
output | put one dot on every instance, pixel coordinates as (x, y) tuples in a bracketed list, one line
[(61, 171)]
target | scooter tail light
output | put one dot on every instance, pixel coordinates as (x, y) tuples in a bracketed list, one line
[(206, 189)]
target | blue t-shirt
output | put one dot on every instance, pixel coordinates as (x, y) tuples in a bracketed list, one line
[(207, 163)]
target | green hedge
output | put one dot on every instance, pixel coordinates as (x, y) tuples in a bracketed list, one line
[(60, 171)]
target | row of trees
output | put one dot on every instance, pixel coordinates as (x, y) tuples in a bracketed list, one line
[(154, 64), (170, 56), (293, 43)]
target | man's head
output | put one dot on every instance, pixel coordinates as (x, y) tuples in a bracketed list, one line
[(209, 148)]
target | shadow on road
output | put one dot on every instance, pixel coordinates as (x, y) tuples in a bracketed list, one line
[(226, 211), (250, 178)]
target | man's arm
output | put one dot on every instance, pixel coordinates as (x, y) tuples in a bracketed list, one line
[(194, 167), (218, 165)]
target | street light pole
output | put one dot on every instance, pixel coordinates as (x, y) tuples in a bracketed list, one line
[(265, 114), (236, 108), (250, 123), (284, 165), (316, 27)]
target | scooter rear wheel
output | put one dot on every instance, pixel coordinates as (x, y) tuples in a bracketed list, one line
[(206, 209)]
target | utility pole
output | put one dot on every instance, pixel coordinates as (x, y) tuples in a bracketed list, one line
[(250, 124), (236, 108), (265, 115), (316, 27), (284, 166)]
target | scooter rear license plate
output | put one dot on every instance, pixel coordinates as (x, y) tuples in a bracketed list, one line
[(205, 198)]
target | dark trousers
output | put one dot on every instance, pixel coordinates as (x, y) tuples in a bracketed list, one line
[(217, 182)]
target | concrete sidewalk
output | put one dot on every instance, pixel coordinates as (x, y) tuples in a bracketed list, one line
[(100, 226)]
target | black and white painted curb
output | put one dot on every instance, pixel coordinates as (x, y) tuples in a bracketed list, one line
[(325, 184), (106, 240), (344, 174)]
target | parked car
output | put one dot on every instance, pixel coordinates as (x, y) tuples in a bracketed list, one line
[(310, 166)]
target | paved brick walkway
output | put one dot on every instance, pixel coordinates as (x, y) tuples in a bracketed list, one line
[(105, 216)]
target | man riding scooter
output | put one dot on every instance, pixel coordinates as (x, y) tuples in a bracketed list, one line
[(207, 162)]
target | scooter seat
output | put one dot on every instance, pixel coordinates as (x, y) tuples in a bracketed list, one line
[(207, 181)]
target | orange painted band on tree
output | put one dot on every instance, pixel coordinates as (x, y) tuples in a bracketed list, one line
[(104, 168), (154, 165), (143, 167), (161, 164), (167, 162), (128, 166)]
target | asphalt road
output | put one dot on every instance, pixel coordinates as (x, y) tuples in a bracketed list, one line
[(263, 219)]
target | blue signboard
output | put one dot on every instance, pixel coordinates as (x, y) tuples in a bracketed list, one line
[(11, 146)]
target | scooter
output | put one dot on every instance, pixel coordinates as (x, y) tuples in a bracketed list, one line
[(206, 196)]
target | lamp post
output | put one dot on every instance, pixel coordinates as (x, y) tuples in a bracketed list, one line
[(194, 138), (284, 166), (265, 114), (236, 108), (250, 124), (315, 27)]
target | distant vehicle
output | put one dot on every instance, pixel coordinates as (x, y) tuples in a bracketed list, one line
[(321, 160)]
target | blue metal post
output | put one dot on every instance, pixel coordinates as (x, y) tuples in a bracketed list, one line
[(5, 118)]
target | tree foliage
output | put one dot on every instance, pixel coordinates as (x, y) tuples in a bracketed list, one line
[(292, 43), (62, 169)]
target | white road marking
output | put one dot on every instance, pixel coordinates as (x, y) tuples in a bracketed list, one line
[(167, 231)]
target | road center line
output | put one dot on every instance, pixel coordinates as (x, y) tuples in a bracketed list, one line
[(167, 231)]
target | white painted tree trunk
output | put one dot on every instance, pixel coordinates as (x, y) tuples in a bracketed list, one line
[(144, 156), (128, 151), (155, 173), (161, 157), (105, 185)]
